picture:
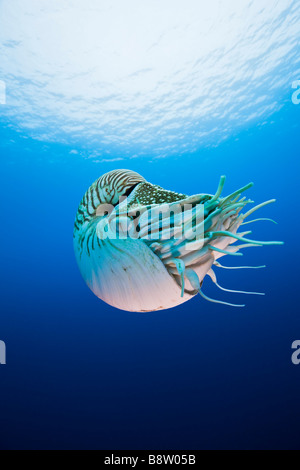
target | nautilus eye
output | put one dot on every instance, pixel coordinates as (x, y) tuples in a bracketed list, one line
[(142, 248)]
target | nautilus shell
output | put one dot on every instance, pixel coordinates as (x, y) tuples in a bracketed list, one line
[(142, 248)]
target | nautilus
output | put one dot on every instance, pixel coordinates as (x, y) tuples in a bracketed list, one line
[(142, 248)]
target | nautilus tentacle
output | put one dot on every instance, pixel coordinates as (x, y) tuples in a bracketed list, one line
[(142, 248)]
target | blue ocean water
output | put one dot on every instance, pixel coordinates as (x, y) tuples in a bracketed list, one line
[(81, 374)]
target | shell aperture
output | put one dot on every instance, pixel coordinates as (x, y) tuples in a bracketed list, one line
[(142, 248)]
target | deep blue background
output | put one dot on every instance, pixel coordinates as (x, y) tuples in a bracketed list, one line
[(81, 374)]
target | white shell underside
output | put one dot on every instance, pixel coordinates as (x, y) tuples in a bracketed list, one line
[(129, 276)]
